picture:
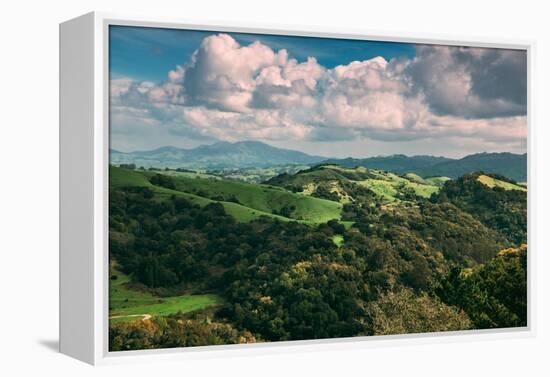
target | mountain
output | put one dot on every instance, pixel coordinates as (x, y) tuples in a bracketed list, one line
[(510, 165), (397, 163), (220, 155)]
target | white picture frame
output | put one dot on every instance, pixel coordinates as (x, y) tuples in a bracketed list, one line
[(84, 146)]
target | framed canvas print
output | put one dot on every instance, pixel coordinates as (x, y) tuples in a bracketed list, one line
[(226, 188)]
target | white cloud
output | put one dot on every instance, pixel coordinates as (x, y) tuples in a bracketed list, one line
[(233, 126), (233, 92)]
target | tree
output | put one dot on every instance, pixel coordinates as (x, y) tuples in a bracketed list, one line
[(403, 312), (493, 294)]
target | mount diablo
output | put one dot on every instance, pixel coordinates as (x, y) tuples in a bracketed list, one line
[(221, 155)]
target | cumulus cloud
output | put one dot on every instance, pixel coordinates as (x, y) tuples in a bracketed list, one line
[(232, 92), (471, 82)]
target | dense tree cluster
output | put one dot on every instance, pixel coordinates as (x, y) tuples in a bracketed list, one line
[(493, 294), (405, 312), (502, 210), (163, 180), (171, 332)]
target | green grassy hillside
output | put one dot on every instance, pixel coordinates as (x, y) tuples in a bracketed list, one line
[(127, 304), (263, 198), (494, 182), (128, 178), (341, 182), (243, 201), (390, 185)]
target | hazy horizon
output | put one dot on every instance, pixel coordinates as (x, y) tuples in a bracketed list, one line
[(311, 154), (326, 97)]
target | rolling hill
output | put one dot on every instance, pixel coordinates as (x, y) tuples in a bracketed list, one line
[(242, 200), (345, 184), (495, 182), (216, 156)]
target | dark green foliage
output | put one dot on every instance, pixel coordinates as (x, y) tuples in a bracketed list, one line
[(493, 294), (163, 180), (502, 210), (510, 165), (337, 227), (128, 166), (285, 211), (324, 192)]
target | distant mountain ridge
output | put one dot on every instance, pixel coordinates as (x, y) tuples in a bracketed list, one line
[(220, 155), (507, 164), (397, 163), (510, 165), (247, 154)]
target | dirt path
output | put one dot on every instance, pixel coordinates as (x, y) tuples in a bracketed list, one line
[(145, 316)]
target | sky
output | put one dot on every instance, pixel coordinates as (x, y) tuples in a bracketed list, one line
[(329, 97)]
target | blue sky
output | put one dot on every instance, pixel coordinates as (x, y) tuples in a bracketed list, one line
[(322, 96), (149, 53)]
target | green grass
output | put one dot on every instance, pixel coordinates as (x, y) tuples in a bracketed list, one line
[(126, 303), (169, 305), (258, 199), (493, 182), (338, 240), (388, 185), (347, 224), (436, 181), (385, 184), (423, 190), (125, 178), (414, 178), (381, 187), (119, 177)]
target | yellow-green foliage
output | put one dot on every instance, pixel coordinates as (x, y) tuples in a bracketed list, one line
[(385, 184), (338, 240), (436, 181), (359, 169), (493, 182), (414, 178), (404, 312), (513, 251), (388, 185)]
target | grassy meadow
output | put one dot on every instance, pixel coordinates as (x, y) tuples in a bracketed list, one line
[(127, 304)]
